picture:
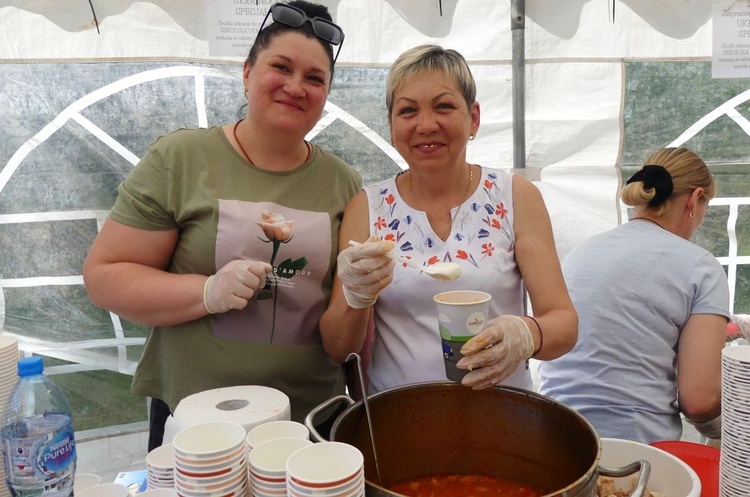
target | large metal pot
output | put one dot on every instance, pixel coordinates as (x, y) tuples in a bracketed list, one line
[(443, 427)]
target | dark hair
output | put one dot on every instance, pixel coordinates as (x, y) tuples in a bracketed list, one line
[(271, 31)]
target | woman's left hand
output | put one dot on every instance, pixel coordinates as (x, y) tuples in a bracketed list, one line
[(494, 353)]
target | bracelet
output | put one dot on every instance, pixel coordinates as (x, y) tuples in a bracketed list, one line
[(541, 335)]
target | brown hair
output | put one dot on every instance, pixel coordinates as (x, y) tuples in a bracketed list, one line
[(688, 172)]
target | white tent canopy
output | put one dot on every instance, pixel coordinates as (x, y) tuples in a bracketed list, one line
[(602, 90)]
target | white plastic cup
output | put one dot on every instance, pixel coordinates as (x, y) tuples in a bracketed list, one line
[(324, 465), (82, 481), (461, 315), (208, 440), (276, 429), (269, 458), (159, 492), (104, 490)]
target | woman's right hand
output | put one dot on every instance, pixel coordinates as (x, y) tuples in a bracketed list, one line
[(234, 285), (364, 270)]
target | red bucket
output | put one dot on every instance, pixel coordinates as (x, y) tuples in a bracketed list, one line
[(702, 458)]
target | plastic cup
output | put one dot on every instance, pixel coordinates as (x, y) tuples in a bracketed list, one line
[(461, 315), (276, 429), (104, 490), (82, 481), (159, 492)]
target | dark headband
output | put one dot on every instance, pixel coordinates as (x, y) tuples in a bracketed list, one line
[(656, 177)]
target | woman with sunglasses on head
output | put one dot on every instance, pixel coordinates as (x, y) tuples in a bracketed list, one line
[(653, 311), (224, 239), (493, 224)]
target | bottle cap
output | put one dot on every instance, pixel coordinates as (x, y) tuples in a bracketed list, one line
[(29, 366)]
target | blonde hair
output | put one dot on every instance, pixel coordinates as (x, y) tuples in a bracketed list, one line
[(426, 59), (688, 172)]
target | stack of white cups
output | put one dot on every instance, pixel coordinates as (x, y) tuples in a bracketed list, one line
[(266, 471), (8, 379), (160, 467), (734, 466), (326, 469), (267, 465), (210, 460)]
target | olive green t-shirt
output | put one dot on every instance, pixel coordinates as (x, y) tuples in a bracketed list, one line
[(227, 209)]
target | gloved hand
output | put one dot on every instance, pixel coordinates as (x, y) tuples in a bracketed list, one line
[(364, 270), (234, 284), (709, 429), (743, 324), (493, 354)]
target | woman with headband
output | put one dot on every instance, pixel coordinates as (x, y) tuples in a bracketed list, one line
[(224, 240), (653, 309)]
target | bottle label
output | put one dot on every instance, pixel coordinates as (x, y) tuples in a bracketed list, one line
[(40, 451), (59, 452)]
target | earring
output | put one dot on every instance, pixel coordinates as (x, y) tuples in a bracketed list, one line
[(245, 92), (472, 136), (692, 214)]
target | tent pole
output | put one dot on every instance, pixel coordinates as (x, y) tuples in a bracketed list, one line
[(517, 26)]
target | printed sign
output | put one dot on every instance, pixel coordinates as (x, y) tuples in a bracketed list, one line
[(231, 25), (731, 42)]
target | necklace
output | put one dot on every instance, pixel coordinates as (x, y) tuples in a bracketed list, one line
[(649, 220), (234, 133), (466, 195)]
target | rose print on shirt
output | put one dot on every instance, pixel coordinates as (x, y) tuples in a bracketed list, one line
[(277, 230)]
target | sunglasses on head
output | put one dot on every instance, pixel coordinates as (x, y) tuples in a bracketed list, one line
[(293, 17)]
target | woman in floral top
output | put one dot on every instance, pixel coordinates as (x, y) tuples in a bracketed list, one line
[(443, 209)]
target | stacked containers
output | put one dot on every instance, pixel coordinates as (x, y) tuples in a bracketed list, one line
[(211, 460), (326, 469), (8, 380), (734, 466), (160, 467)]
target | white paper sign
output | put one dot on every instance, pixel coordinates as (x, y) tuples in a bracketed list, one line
[(731, 43), (231, 25)]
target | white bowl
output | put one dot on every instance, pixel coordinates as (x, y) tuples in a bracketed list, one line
[(276, 429), (105, 490), (82, 481), (669, 475), (209, 440)]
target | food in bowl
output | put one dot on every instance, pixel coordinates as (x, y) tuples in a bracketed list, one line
[(606, 487), (460, 484)]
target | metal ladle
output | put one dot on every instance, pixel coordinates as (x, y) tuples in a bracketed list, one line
[(367, 410)]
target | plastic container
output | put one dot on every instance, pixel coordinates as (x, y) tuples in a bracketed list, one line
[(669, 475), (37, 436), (703, 459)]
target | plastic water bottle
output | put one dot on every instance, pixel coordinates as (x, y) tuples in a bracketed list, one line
[(37, 436)]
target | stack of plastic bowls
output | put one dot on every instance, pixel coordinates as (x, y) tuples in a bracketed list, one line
[(734, 466), (267, 465), (8, 379), (210, 460), (160, 467), (275, 429), (326, 469)]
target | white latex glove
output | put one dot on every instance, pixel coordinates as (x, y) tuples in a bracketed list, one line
[(743, 323), (494, 353), (234, 284), (710, 428), (364, 270)]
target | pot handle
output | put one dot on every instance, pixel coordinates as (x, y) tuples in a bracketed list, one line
[(640, 486), (310, 418)]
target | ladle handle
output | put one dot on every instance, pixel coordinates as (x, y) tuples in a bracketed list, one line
[(310, 418), (640, 486)]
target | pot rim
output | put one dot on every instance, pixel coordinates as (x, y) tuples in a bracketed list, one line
[(592, 472)]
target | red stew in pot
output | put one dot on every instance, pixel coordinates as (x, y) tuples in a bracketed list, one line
[(464, 485)]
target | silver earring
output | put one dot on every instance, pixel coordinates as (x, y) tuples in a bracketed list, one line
[(692, 214), (472, 136)]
